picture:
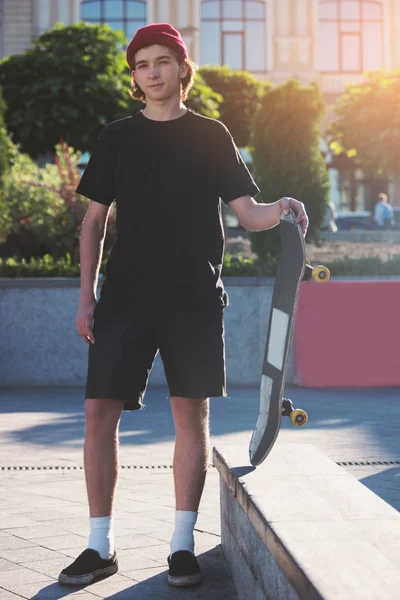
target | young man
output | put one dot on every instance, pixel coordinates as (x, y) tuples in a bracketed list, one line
[(167, 168)]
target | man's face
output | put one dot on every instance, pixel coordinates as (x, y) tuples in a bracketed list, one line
[(158, 73)]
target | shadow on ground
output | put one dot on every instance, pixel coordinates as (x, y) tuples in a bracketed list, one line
[(217, 584), (386, 485), (374, 411)]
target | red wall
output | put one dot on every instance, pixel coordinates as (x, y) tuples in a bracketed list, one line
[(348, 334)]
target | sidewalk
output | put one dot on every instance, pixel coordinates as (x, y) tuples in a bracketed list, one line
[(45, 525), (43, 508)]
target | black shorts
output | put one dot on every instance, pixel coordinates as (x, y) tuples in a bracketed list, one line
[(191, 345)]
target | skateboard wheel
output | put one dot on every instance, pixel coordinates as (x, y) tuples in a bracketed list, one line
[(321, 274), (299, 417), (307, 262)]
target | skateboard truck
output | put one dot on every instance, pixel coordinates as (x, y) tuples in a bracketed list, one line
[(320, 274), (297, 416)]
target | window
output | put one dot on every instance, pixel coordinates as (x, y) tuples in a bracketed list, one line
[(233, 34), (350, 36), (127, 15)]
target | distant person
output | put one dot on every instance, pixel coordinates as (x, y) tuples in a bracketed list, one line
[(383, 213), (329, 220)]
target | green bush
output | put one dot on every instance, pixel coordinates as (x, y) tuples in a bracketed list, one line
[(241, 94), (35, 218), (203, 99), (287, 158), (46, 266), (237, 266), (5, 144)]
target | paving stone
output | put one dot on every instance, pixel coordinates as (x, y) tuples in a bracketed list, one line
[(37, 531), (157, 553), (54, 516), (135, 541), (138, 591), (34, 553), (6, 565), (50, 590), (20, 575), (16, 521), (51, 567), (10, 542), (60, 542), (112, 585), (5, 595), (143, 574)]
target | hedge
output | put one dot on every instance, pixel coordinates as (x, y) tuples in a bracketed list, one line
[(233, 266)]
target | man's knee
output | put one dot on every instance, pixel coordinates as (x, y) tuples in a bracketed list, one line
[(100, 411), (190, 412)]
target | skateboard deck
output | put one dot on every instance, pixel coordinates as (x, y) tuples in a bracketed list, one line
[(289, 275)]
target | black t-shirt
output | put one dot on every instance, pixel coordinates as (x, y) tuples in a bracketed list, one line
[(167, 179)]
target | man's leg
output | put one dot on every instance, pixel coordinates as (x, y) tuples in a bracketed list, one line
[(101, 454), (101, 472), (191, 417)]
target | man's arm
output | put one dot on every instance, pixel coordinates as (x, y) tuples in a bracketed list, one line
[(93, 233), (257, 217)]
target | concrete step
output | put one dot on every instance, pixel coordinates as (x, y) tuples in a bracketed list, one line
[(301, 527)]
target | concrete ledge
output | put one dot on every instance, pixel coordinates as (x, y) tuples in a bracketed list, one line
[(300, 527), (39, 344)]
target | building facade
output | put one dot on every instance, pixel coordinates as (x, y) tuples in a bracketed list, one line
[(331, 41)]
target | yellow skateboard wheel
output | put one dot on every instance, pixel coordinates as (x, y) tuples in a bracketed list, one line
[(321, 274), (307, 262), (299, 417)]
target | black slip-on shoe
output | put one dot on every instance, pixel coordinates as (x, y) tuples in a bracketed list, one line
[(184, 570), (88, 567)]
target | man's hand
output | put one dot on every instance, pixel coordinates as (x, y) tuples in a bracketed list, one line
[(298, 209), (84, 320)]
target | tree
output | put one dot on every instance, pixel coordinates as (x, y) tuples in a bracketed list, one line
[(241, 93), (203, 99), (287, 158), (367, 124), (5, 144), (71, 83)]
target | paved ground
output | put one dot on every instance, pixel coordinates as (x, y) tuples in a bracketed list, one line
[(43, 512)]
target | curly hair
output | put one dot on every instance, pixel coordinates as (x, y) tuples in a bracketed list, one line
[(186, 84)]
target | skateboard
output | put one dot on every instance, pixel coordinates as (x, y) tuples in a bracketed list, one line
[(293, 268)]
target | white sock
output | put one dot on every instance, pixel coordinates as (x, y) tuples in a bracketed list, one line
[(101, 536), (183, 538)]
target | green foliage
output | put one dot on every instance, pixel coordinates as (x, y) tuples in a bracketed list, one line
[(241, 93), (34, 216), (367, 124), (47, 266), (203, 99), (5, 143), (71, 83), (287, 158), (237, 266)]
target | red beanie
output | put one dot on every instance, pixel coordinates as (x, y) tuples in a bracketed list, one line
[(157, 33)]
